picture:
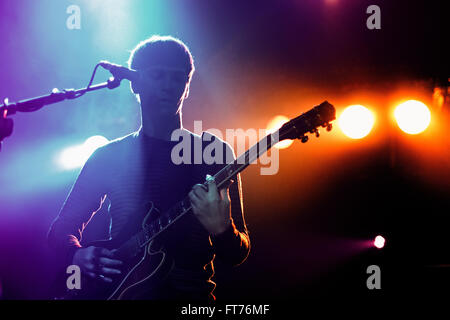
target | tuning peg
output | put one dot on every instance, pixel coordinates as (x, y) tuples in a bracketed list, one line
[(329, 127), (304, 139)]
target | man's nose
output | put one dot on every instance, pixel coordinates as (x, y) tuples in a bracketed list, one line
[(167, 84)]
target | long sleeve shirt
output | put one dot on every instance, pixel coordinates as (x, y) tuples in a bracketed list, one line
[(131, 172)]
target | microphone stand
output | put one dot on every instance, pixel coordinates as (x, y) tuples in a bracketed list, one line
[(34, 104)]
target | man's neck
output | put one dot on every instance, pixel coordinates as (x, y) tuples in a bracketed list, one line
[(155, 133), (160, 129), (158, 126)]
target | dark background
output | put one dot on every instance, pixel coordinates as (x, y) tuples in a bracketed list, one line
[(310, 223)]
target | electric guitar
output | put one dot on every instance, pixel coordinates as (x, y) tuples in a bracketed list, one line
[(145, 261)]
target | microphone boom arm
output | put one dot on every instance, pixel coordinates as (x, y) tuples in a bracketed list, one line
[(34, 104)]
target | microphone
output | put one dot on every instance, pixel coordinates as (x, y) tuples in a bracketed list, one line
[(119, 72)]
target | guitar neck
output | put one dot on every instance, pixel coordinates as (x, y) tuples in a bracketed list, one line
[(244, 160)]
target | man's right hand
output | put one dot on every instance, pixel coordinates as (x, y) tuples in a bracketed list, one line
[(97, 263)]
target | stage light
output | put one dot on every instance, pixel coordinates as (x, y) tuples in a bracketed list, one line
[(75, 157), (379, 242), (356, 121), (276, 124), (412, 116)]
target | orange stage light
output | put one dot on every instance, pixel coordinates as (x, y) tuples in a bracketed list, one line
[(276, 124), (412, 116), (356, 121)]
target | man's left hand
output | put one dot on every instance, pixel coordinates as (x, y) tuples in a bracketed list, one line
[(212, 207)]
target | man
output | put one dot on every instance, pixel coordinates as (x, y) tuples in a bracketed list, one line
[(138, 168)]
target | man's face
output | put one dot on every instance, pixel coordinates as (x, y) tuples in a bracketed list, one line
[(163, 87)]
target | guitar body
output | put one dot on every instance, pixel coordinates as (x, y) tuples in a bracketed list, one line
[(142, 275), (141, 272)]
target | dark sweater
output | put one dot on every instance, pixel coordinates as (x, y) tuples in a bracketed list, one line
[(136, 169)]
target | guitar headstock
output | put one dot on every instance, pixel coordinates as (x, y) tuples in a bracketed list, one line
[(309, 122)]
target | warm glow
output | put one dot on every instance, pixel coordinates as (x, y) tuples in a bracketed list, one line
[(379, 242), (412, 116), (438, 97), (356, 121), (276, 124)]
